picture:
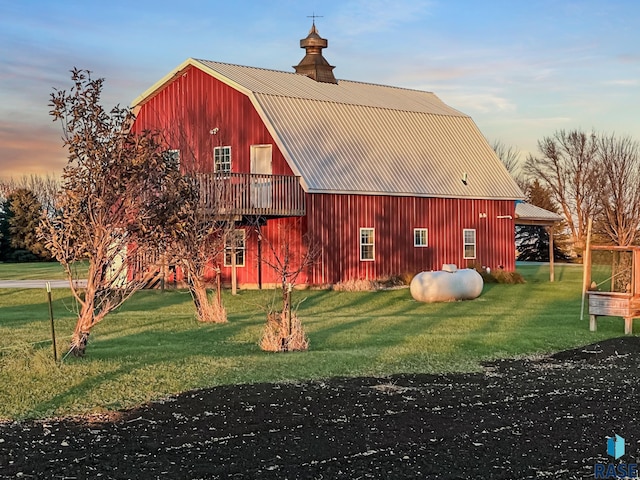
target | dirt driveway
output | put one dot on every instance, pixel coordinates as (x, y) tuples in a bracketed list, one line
[(533, 418)]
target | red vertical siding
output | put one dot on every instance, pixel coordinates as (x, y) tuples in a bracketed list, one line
[(335, 221), (193, 103)]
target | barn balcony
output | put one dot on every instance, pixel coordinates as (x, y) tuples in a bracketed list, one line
[(251, 194)]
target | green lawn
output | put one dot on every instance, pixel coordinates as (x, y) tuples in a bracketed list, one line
[(153, 346), (36, 271)]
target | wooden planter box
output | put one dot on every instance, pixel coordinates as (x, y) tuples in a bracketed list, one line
[(613, 305)]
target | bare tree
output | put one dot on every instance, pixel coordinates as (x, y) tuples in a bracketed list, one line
[(509, 156), (568, 166), (200, 246), (207, 209), (284, 331), (619, 169), (118, 191)]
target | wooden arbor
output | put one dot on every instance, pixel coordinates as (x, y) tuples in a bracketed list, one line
[(613, 282)]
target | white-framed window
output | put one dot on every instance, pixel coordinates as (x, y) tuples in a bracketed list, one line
[(222, 159), (420, 237), (469, 239), (173, 155), (236, 237), (367, 244)]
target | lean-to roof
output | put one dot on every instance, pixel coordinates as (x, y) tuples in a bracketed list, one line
[(528, 214)]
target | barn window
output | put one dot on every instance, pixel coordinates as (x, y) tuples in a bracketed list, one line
[(367, 246), (469, 235), (236, 237), (420, 237), (222, 159), (172, 156)]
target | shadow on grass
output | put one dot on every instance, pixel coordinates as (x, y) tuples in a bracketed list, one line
[(350, 332), (146, 352), (539, 318), (24, 314)]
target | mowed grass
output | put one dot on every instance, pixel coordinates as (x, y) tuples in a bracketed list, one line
[(154, 347), (37, 271)]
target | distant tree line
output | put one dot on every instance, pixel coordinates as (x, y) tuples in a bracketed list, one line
[(581, 176)]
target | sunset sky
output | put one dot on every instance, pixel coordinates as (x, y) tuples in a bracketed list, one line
[(522, 70)]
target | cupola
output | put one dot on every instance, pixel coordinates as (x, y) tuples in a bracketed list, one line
[(314, 65)]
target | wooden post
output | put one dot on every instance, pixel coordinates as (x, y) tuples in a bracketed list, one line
[(163, 269), (628, 325), (586, 268), (289, 287), (218, 287), (259, 260), (53, 330), (234, 271), (552, 275)]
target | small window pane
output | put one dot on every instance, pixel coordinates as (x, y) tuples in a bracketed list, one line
[(367, 245), (222, 159), (173, 156), (237, 236), (469, 236), (420, 237)]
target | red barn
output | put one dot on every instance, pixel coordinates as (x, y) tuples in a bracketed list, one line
[(384, 180)]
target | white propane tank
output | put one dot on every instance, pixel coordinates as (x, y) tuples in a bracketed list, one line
[(446, 285)]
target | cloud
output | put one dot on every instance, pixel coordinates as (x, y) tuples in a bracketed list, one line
[(25, 149), (357, 17), (629, 58), (481, 102), (631, 82)]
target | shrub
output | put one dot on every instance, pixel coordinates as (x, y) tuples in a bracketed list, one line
[(502, 276), (276, 336), (359, 285), (383, 283)]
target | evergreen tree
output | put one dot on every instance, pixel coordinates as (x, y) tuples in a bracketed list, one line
[(5, 237), (25, 214)]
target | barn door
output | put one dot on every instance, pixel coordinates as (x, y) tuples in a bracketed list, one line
[(261, 186)]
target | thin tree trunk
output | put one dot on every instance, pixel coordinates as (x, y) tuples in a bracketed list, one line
[(207, 309), (80, 335)]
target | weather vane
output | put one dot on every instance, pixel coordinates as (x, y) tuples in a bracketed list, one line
[(314, 16)]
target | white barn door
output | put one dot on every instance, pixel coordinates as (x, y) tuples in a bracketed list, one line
[(261, 191)]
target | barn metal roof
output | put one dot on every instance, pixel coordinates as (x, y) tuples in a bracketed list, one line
[(370, 139)]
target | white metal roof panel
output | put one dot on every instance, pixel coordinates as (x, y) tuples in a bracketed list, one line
[(289, 84), (344, 148)]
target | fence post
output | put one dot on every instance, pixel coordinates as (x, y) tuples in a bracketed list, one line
[(53, 330)]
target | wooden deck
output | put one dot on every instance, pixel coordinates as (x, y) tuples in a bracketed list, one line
[(228, 193)]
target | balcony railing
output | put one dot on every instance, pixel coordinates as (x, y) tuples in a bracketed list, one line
[(227, 193)]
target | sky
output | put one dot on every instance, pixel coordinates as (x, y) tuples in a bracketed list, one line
[(522, 70)]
